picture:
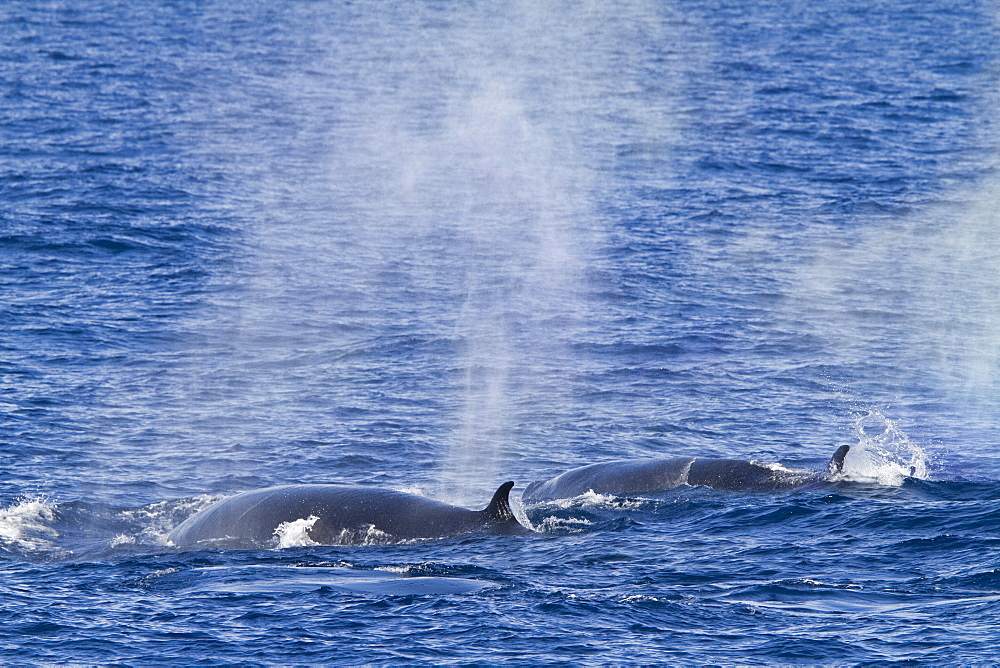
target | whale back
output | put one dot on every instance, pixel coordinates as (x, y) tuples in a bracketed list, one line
[(737, 475), (638, 476), (622, 477), (343, 514)]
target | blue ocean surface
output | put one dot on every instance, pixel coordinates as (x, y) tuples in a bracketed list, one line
[(431, 247)]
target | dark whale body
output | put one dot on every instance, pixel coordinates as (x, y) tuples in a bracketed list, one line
[(343, 515), (637, 476)]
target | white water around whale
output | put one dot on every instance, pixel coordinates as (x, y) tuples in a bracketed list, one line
[(884, 454), (26, 525), (295, 533)]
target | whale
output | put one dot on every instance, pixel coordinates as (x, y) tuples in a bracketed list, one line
[(626, 477), (338, 515)]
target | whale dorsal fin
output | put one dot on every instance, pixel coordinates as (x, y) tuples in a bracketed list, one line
[(499, 508), (837, 461)]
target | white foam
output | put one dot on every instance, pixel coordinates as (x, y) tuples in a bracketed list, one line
[(401, 570), (559, 524), (640, 598), (593, 499), (775, 466), (374, 536), (166, 509), (160, 518), (121, 540), (26, 525), (368, 536), (295, 533)]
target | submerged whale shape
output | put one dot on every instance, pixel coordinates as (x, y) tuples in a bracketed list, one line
[(339, 515), (637, 476)]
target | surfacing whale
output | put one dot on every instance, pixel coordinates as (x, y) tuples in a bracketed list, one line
[(638, 476), (339, 515)]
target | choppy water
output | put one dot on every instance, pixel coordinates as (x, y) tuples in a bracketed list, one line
[(435, 247)]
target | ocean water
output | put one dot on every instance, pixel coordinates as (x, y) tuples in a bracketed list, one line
[(435, 246)]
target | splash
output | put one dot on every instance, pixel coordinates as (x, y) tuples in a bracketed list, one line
[(27, 525), (370, 535), (884, 454), (123, 540), (155, 521), (593, 500), (295, 533), (563, 525)]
